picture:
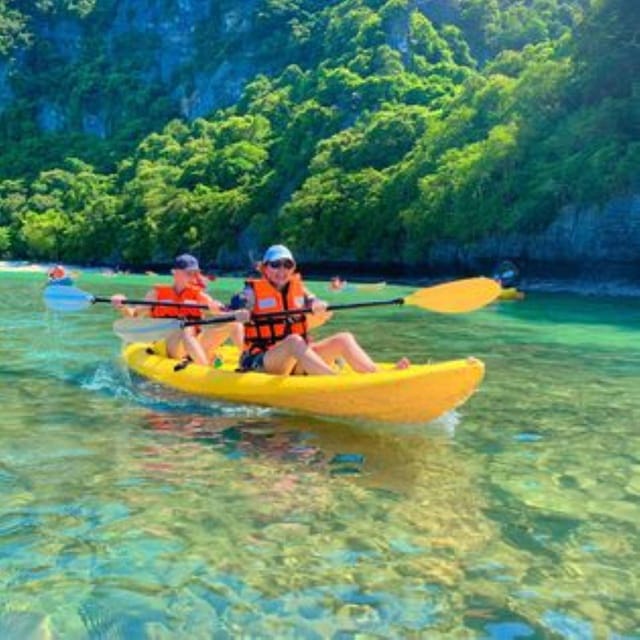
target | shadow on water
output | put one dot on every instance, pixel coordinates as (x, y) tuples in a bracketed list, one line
[(372, 456)]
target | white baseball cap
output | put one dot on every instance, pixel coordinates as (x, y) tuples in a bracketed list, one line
[(277, 252)]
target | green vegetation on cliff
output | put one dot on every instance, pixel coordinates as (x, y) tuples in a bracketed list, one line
[(380, 132)]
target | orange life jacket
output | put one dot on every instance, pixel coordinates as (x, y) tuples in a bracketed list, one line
[(166, 293), (263, 333)]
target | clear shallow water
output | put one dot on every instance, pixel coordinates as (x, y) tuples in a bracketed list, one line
[(128, 511)]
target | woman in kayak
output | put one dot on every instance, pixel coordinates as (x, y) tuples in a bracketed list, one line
[(188, 288), (280, 345)]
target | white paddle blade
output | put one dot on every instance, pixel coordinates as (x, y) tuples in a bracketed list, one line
[(64, 298), (145, 329)]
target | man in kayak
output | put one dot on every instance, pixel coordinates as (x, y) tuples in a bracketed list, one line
[(198, 344), (507, 274), (58, 275), (280, 345)]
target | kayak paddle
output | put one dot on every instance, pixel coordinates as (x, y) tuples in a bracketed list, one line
[(459, 296), (151, 329), (74, 299)]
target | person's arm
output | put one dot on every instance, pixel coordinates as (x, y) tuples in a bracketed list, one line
[(311, 300), (119, 301), (241, 314), (215, 306)]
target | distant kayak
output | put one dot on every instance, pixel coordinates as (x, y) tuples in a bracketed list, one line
[(356, 286), (370, 286), (415, 395), (64, 282), (511, 293)]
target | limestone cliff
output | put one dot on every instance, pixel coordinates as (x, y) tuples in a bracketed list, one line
[(199, 53), (596, 243)]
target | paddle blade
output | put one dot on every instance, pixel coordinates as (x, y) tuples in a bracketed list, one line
[(144, 329), (65, 298), (458, 296)]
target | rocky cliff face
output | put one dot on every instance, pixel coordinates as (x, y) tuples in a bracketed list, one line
[(198, 50), (173, 27), (197, 90), (585, 249), (593, 244), (442, 11)]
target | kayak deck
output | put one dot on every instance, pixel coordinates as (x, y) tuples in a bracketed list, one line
[(416, 395)]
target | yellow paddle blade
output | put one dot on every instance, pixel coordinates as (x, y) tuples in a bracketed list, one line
[(458, 296)]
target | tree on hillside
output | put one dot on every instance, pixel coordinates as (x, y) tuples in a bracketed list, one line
[(607, 50), (12, 28)]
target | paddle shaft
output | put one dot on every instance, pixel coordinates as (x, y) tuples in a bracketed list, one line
[(295, 312), (153, 303)]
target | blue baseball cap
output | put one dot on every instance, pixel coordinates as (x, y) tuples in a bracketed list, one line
[(277, 252), (186, 262)]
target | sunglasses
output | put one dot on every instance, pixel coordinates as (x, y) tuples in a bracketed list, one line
[(276, 264)]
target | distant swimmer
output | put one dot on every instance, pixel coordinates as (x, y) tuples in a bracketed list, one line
[(58, 275), (337, 284)]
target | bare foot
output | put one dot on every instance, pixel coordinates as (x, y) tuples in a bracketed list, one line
[(403, 363)]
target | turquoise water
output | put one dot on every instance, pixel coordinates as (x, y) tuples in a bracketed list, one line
[(129, 511)]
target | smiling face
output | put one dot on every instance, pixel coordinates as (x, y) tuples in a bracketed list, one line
[(279, 272), (183, 278)]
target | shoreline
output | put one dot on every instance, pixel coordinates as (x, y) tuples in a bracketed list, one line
[(587, 286), (610, 289)]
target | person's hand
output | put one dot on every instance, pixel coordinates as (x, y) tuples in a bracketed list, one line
[(215, 306), (319, 306), (242, 315), (118, 300)]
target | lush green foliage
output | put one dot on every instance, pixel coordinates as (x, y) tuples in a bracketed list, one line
[(385, 135)]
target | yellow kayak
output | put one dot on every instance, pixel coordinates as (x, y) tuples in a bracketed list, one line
[(414, 396), (356, 286), (511, 293)]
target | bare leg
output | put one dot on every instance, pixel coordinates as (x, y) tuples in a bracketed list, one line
[(293, 350), (175, 347), (184, 342), (236, 333), (346, 346), (212, 337)]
